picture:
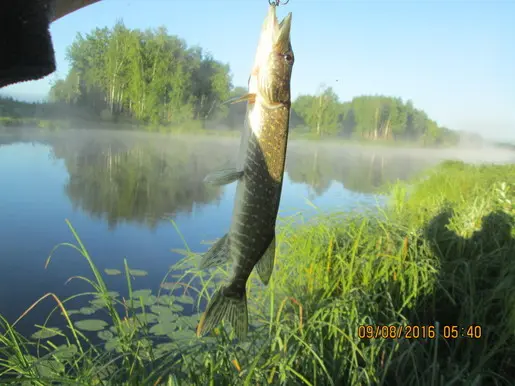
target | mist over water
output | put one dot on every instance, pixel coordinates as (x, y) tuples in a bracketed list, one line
[(120, 189)]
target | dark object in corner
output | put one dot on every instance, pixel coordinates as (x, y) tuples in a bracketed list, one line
[(26, 49)]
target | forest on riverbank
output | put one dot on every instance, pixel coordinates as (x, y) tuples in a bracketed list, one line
[(155, 81)]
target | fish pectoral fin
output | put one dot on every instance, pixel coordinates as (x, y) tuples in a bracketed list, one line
[(251, 98), (221, 307), (265, 265), (223, 177), (216, 255)]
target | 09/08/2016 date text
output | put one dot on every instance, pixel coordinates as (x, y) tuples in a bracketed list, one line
[(422, 331)]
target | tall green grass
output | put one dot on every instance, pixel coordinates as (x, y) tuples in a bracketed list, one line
[(441, 254)]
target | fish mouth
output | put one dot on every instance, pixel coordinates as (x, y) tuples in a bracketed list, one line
[(278, 33)]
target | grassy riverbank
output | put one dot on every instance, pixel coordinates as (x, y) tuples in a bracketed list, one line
[(441, 254)]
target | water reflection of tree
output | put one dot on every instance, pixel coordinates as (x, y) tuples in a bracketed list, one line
[(137, 177), (140, 183), (359, 170)]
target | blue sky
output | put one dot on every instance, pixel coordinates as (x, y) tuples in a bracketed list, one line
[(454, 59)]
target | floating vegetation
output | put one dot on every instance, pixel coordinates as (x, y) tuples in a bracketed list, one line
[(138, 272), (45, 333), (88, 310), (91, 324), (112, 272)]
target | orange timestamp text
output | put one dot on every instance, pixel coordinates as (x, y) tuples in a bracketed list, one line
[(378, 331), (421, 331)]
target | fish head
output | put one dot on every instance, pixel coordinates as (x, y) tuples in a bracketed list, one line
[(271, 75)]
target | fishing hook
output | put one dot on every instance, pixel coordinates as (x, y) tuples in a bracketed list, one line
[(278, 2)]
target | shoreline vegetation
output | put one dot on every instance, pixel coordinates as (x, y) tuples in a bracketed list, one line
[(438, 258), (150, 80)]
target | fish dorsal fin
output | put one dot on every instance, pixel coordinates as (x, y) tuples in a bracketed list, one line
[(223, 177)]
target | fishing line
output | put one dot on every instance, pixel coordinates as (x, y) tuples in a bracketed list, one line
[(278, 2)]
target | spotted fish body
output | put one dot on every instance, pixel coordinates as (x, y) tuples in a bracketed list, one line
[(250, 241)]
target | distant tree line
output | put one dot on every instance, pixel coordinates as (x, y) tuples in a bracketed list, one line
[(369, 117), (151, 77)]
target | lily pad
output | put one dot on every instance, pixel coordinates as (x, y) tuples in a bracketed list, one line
[(64, 352), (187, 336), (176, 307), (144, 295), (141, 293), (163, 349), (88, 310), (146, 317), (98, 303), (164, 313), (168, 285), (138, 272), (112, 272), (166, 299), (113, 344), (45, 333), (91, 324), (105, 335), (72, 312), (185, 299), (163, 328), (187, 322), (49, 367), (128, 326), (106, 372)]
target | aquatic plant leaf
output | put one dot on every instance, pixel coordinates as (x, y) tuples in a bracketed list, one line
[(187, 322), (90, 324), (144, 296), (185, 299), (165, 313), (176, 307), (88, 310), (184, 335), (166, 299), (72, 312), (150, 300), (49, 367), (141, 293), (146, 317), (138, 272), (128, 326), (65, 352), (163, 328), (106, 372), (168, 285), (45, 333), (165, 348), (99, 303), (105, 335), (113, 294), (113, 344), (112, 272)]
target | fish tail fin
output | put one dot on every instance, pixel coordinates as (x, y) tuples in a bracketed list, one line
[(222, 306)]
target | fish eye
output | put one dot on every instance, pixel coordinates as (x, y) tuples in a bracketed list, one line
[(288, 57)]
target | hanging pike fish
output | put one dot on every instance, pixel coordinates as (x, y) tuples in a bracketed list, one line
[(251, 239)]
